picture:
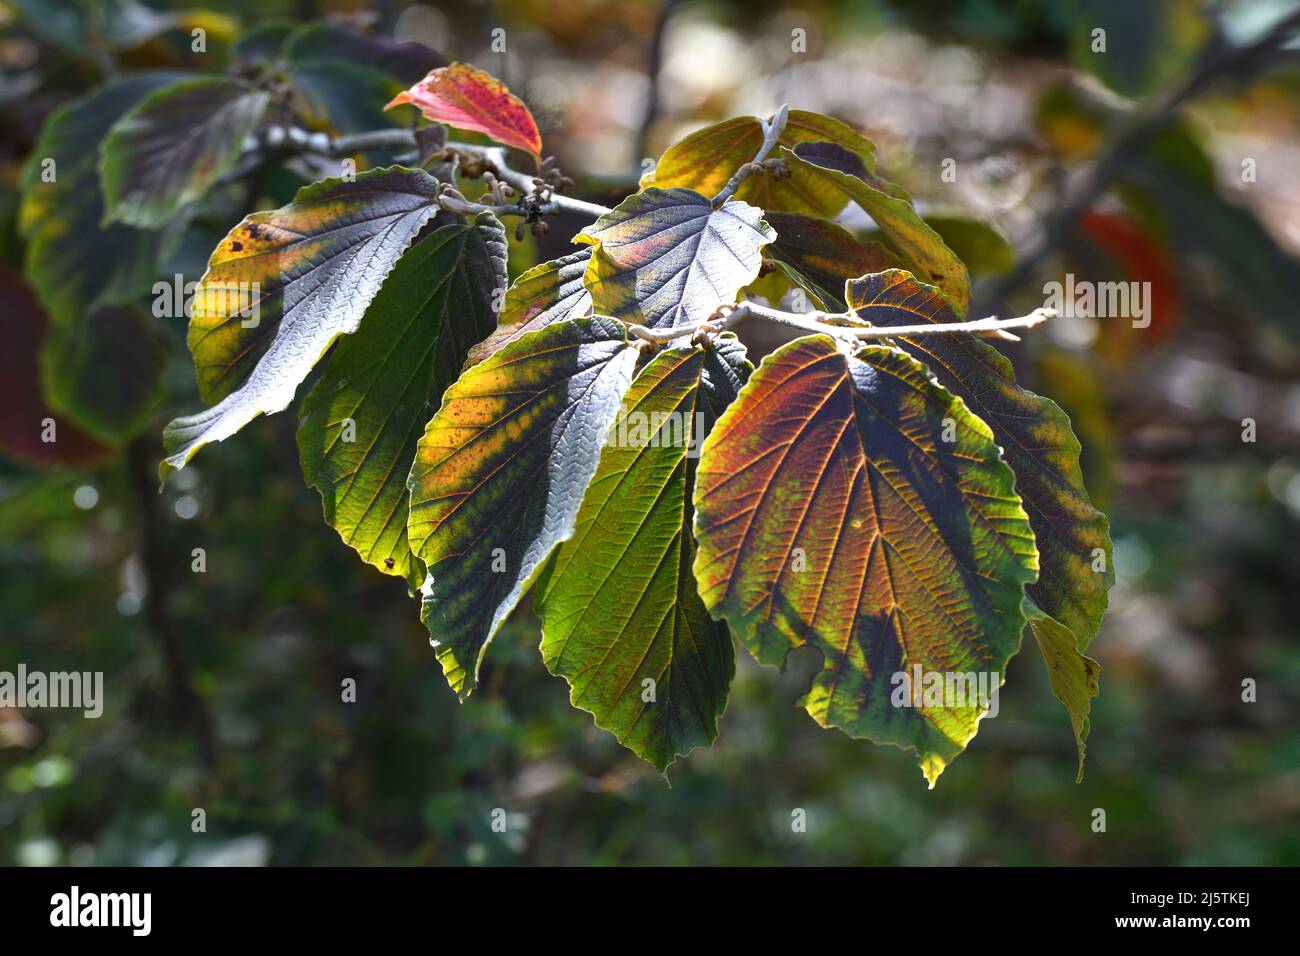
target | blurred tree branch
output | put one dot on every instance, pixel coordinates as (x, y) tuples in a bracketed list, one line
[(1217, 61)]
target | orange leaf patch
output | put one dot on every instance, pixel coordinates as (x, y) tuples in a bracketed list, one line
[(466, 98)]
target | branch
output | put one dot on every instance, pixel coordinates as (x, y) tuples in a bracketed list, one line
[(822, 323), (1216, 62), (772, 130), (536, 196)]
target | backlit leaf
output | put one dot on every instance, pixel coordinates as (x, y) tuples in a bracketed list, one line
[(619, 604), (706, 159), (855, 506), (361, 421), (1036, 439), (466, 98), (500, 473), (824, 254), (283, 285), (169, 149), (1075, 679), (891, 208), (666, 257), (550, 292)]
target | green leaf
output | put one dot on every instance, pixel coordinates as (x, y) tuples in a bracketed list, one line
[(283, 285), (172, 147), (362, 420), (708, 158), (891, 208), (75, 265), (1035, 436), (344, 77), (618, 603), (264, 42), (334, 41), (1075, 679), (500, 473), (666, 257), (984, 250), (824, 255), (551, 292), (855, 506), (105, 373)]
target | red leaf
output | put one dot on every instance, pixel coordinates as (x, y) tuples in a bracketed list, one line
[(1139, 254), (466, 98), (23, 413)]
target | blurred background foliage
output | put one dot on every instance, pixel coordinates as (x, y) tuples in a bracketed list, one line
[(223, 687)]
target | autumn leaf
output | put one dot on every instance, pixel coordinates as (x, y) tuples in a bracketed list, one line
[(853, 505), (283, 285), (666, 257), (890, 206), (466, 98), (500, 473), (551, 292), (1035, 434), (706, 159), (824, 255)]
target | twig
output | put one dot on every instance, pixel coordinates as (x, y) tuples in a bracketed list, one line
[(822, 323), (772, 130), (278, 143)]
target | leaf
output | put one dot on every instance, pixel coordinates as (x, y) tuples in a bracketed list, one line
[(24, 416), (984, 250), (75, 265), (344, 77), (1035, 436), (466, 98), (706, 159), (172, 147), (383, 382), (1145, 44), (666, 257), (618, 603), (263, 42), (824, 254), (832, 513), (105, 373), (891, 208), (500, 473), (550, 292), (328, 40), (1075, 679), (339, 95), (283, 285)]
